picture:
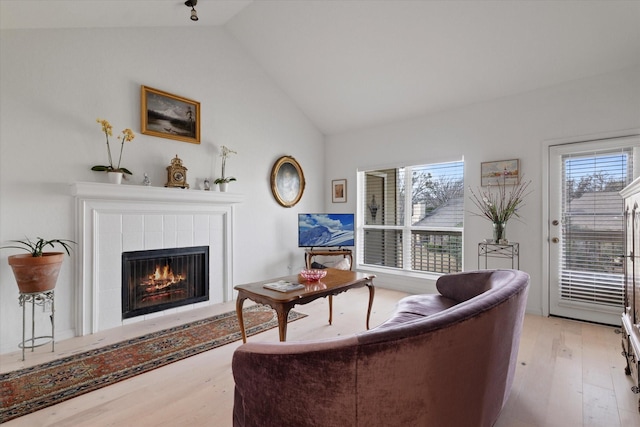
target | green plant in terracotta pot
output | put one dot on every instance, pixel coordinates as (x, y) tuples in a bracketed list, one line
[(37, 271)]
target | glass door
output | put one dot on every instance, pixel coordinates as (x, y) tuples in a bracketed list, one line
[(587, 228)]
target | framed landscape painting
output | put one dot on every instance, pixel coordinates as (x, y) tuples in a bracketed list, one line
[(506, 172), (169, 116)]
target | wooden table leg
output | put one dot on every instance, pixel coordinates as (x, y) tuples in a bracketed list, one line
[(239, 304), (283, 317), (372, 291), (330, 309), (307, 259)]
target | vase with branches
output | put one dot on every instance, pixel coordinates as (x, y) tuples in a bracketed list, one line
[(499, 205)]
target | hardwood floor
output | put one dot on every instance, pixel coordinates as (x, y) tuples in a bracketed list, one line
[(569, 373)]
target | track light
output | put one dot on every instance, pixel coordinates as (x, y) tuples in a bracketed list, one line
[(191, 4)]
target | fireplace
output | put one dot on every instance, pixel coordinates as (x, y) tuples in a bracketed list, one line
[(156, 280), (113, 219)]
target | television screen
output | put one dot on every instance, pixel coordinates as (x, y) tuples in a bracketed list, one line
[(325, 230)]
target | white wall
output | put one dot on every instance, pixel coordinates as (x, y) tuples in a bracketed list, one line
[(507, 128), (55, 83)]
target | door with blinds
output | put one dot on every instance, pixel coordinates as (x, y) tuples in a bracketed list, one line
[(586, 228)]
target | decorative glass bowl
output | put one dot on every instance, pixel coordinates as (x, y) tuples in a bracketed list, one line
[(313, 274)]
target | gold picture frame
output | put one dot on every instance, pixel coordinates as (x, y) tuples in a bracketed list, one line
[(506, 172), (165, 115), (287, 181), (339, 191)]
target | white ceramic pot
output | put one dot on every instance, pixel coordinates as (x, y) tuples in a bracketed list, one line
[(115, 177), (223, 186)]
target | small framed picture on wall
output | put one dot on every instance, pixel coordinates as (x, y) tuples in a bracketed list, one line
[(339, 190), (505, 172)]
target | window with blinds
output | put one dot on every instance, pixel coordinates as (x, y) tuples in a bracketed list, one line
[(412, 217), (592, 269)]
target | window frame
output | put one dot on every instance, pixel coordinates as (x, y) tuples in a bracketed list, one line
[(407, 229)]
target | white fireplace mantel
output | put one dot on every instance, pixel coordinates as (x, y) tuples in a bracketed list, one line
[(111, 219), (95, 190)]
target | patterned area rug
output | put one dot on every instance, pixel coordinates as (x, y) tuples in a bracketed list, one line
[(30, 389)]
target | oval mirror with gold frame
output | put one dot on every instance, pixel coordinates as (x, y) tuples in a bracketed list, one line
[(287, 181)]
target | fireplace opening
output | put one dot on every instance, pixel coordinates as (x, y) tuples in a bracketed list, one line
[(160, 279)]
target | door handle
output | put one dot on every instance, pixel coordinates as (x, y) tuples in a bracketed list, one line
[(555, 240), (555, 222)]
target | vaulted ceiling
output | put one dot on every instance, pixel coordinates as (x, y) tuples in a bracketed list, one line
[(354, 64)]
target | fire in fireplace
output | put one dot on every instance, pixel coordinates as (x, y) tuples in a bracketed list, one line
[(159, 279)]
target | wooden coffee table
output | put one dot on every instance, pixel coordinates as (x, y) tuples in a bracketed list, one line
[(335, 282)]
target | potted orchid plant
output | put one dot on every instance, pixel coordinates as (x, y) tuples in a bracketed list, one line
[(115, 172), (224, 180)]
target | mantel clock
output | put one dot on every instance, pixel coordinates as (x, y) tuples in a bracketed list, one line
[(176, 174)]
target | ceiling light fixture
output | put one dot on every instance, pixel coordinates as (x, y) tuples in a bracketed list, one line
[(191, 4)]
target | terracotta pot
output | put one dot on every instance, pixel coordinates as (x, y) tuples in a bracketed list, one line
[(36, 274)]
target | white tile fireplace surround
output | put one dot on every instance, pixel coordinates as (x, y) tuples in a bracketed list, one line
[(112, 219)]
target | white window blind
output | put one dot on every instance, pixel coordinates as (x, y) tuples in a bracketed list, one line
[(412, 217), (592, 226)]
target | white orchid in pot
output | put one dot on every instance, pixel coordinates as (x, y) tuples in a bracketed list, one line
[(115, 172), (224, 180)]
